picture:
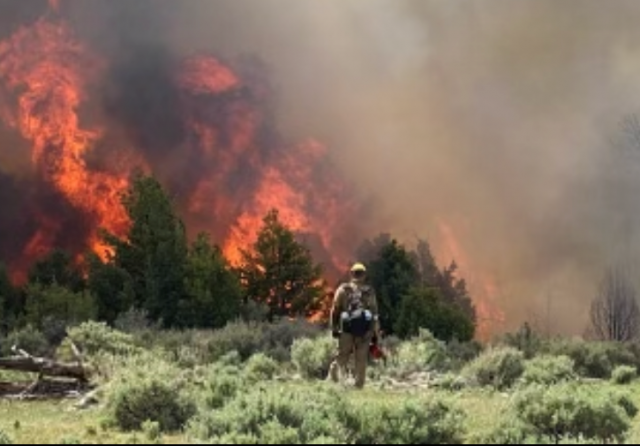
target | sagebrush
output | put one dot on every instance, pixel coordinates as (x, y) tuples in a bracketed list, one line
[(150, 390), (549, 370), (573, 411), (312, 357), (624, 375), (500, 368)]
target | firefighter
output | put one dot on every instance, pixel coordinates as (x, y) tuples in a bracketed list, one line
[(355, 323)]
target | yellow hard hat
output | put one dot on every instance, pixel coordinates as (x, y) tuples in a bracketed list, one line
[(358, 268)]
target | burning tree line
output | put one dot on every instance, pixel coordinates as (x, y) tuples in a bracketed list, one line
[(182, 285)]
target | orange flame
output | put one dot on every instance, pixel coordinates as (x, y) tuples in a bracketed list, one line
[(285, 181), (239, 176), (482, 287), (50, 71)]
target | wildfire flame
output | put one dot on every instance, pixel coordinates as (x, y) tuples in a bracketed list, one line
[(50, 70), (482, 287), (233, 166), (239, 175)]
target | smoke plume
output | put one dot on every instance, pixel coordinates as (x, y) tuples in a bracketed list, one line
[(491, 127)]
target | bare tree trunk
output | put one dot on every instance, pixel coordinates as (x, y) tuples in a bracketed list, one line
[(615, 313)]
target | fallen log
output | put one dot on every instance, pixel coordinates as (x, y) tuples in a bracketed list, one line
[(44, 367), (44, 389)]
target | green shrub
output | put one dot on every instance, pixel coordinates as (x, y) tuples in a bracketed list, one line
[(420, 354), (54, 330), (174, 342), (509, 430), (462, 353), (414, 421), (246, 339), (221, 387), (28, 339), (624, 375), (526, 340), (451, 382), (312, 357), (278, 338), (4, 438), (230, 360), (235, 438), (149, 390), (134, 321), (319, 414), (594, 359), (499, 368), (94, 338), (204, 347), (273, 432), (260, 368), (272, 415), (152, 431), (59, 303), (549, 370), (573, 411)]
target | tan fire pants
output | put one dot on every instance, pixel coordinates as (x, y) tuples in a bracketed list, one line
[(350, 345)]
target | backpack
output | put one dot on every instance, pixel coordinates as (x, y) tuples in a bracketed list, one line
[(357, 319)]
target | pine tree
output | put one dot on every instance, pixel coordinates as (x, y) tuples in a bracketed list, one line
[(7, 295), (155, 250), (425, 308), (213, 291), (57, 268), (406, 282), (11, 302), (393, 274), (280, 272), (112, 287), (54, 303)]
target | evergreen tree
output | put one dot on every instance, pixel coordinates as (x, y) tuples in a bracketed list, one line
[(155, 250), (425, 308), (57, 268), (454, 291), (11, 302), (57, 303), (392, 273), (281, 273), (112, 287), (213, 291), (426, 263), (7, 296), (397, 274)]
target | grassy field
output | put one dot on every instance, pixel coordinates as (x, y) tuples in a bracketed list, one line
[(60, 422), (227, 386)]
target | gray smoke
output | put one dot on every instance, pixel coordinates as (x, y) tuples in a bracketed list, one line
[(501, 118)]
